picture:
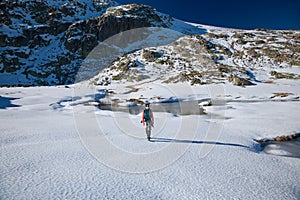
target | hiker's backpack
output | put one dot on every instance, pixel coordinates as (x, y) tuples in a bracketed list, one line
[(147, 114)]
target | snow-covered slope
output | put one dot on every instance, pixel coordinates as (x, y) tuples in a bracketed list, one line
[(218, 56), (44, 153), (45, 42), (32, 39), (214, 57)]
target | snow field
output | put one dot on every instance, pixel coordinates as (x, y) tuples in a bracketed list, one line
[(43, 153)]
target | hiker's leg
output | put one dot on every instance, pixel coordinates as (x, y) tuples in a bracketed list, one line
[(148, 129)]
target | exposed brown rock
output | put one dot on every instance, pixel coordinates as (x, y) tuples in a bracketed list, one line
[(239, 81)]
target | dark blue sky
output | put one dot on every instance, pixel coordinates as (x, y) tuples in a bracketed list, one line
[(250, 14)]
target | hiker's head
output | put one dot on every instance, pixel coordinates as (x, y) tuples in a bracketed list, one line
[(147, 105)]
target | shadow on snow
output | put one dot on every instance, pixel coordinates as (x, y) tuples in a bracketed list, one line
[(196, 142), (5, 102)]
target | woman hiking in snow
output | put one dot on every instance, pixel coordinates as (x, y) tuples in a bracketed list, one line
[(148, 119)]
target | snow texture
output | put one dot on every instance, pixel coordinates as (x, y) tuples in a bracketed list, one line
[(43, 154)]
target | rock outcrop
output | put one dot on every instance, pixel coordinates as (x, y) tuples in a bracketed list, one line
[(83, 36), (215, 57), (44, 42)]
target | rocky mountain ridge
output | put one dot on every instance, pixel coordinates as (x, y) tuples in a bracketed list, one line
[(244, 57), (45, 42)]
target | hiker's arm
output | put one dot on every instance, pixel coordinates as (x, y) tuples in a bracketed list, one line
[(152, 117), (143, 119)]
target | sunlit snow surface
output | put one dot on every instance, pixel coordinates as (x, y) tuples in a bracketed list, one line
[(42, 154)]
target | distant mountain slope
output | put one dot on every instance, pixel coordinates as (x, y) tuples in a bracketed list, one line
[(45, 43), (238, 56)]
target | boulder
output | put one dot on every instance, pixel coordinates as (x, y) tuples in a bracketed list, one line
[(239, 81)]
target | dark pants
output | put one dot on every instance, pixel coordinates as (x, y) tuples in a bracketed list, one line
[(148, 128)]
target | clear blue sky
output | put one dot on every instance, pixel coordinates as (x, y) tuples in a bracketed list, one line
[(249, 14)]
